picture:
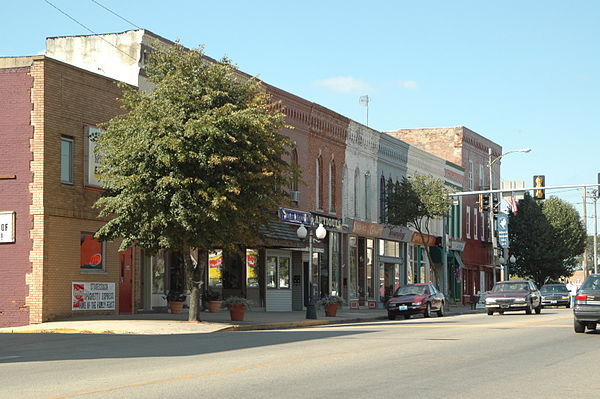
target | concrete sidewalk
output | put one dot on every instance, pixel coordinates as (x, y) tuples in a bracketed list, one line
[(166, 323)]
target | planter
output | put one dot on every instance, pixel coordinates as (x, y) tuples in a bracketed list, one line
[(214, 306), (176, 307), (236, 311), (331, 309)]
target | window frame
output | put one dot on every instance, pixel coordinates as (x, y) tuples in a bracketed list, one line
[(277, 280), (70, 141), (83, 269), (468, 223)]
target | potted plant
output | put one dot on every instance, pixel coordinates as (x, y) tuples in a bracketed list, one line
[(212, 299), (237, 307), (175, 299), (331, 303)]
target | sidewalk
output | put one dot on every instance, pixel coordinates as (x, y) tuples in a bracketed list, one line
[(166, 323)]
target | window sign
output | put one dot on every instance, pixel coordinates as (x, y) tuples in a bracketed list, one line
[(92, 156), (252, 268), (93, 296), (215, 267), (91, 252), (7, 227)]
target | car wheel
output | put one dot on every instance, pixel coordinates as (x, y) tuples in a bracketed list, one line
[(391, 316), (406, 316), (490, 312), (440, 312), (579, 326), (528, 310), (427, 312), (568, 305), (591, 326)]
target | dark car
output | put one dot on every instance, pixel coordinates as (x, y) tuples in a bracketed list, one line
[(587, 304), (513, 295), (555, 295), (416, 299)]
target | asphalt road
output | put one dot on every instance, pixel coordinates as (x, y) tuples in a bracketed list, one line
[(468, 356)]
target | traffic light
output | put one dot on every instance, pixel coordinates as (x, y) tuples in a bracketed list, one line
[(539, 181), (484, 202), (495, 204)]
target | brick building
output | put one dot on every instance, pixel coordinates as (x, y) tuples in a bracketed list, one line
[(49, 107)]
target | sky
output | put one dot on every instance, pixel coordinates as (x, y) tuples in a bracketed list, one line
[(522, 73)]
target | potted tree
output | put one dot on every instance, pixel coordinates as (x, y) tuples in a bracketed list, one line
[(331, 303), (175, 300), (237, 307), (212, 300)]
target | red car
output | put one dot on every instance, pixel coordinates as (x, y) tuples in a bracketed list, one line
[(416, 299)]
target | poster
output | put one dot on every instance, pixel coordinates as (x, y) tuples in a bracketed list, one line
[(93, 296)]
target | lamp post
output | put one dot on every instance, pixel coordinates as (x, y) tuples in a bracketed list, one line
[(491, 210), (320, 233)]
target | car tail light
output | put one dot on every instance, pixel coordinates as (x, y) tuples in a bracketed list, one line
[(581, 298)]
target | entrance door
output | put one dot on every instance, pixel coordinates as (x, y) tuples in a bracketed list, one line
[(126, 260)]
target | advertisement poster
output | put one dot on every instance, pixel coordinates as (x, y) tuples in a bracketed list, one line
[(215, 262), (93, 296)]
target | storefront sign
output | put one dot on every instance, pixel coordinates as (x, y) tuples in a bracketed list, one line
[(93, 296), (327, 221), (367, 229), (93, 157), (397, 233), (456, 245), (294, 216), (7, 227), (426, 240)]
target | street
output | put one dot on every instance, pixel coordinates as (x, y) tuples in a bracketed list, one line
[(467, 356)]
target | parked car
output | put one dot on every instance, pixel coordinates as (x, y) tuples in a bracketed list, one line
[(416, 299), (555, 295), (513, 295), (586, 309)]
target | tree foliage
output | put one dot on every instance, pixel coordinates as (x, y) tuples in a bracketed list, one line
[(545, 238), (195, 163), (415, 201)]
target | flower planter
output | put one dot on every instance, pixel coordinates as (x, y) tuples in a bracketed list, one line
[(236, 311), (214, 306), (331, 309), (176, 307)]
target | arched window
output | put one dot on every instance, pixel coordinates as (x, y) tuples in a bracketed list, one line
[(319, 183), (382, 199), (294, 163), (332, 186), (356, 191), (367, 196)]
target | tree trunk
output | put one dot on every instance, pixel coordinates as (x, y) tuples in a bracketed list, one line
[(191, 273)]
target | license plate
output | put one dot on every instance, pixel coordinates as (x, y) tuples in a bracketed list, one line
[(552, 301), (402, 307), (504, 306)]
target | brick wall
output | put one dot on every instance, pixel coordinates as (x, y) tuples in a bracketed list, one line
[(15, 155)]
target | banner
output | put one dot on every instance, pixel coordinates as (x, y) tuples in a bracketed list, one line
[(93, 296)]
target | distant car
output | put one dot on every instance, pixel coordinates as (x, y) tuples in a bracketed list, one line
[(555, 295), (586, 309), (513, 295), (416, 299)]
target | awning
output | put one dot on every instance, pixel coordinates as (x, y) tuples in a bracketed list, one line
[(459, 260), (280, 234)]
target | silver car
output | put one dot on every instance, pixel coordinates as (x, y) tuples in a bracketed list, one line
[(587, 304)]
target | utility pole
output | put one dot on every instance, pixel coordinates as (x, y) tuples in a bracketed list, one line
[(585, 252), (595, 193)]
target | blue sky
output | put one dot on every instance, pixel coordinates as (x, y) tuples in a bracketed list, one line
[(522, 73)]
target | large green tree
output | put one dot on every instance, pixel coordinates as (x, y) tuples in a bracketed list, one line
[(545, 238), (414, 202), (196, 163)]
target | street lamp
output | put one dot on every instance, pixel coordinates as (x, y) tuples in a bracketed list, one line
[(320, 233), (491, 208), (505, 263)]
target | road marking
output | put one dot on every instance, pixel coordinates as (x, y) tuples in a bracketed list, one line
[(207, 373)]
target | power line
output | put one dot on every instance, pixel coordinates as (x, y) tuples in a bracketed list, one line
[(114, 13), (88, 29)]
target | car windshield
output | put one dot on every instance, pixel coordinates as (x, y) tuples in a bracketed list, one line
[(506, 287), (411, 290), (591, 283), (554, 288)]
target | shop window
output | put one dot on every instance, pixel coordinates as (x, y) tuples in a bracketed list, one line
[(92, 253), (66, 160), (278, 272)]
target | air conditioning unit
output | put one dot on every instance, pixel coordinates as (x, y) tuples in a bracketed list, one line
[(295, 196)]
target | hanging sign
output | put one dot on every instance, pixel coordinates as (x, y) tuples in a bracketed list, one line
[(503, 230)]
